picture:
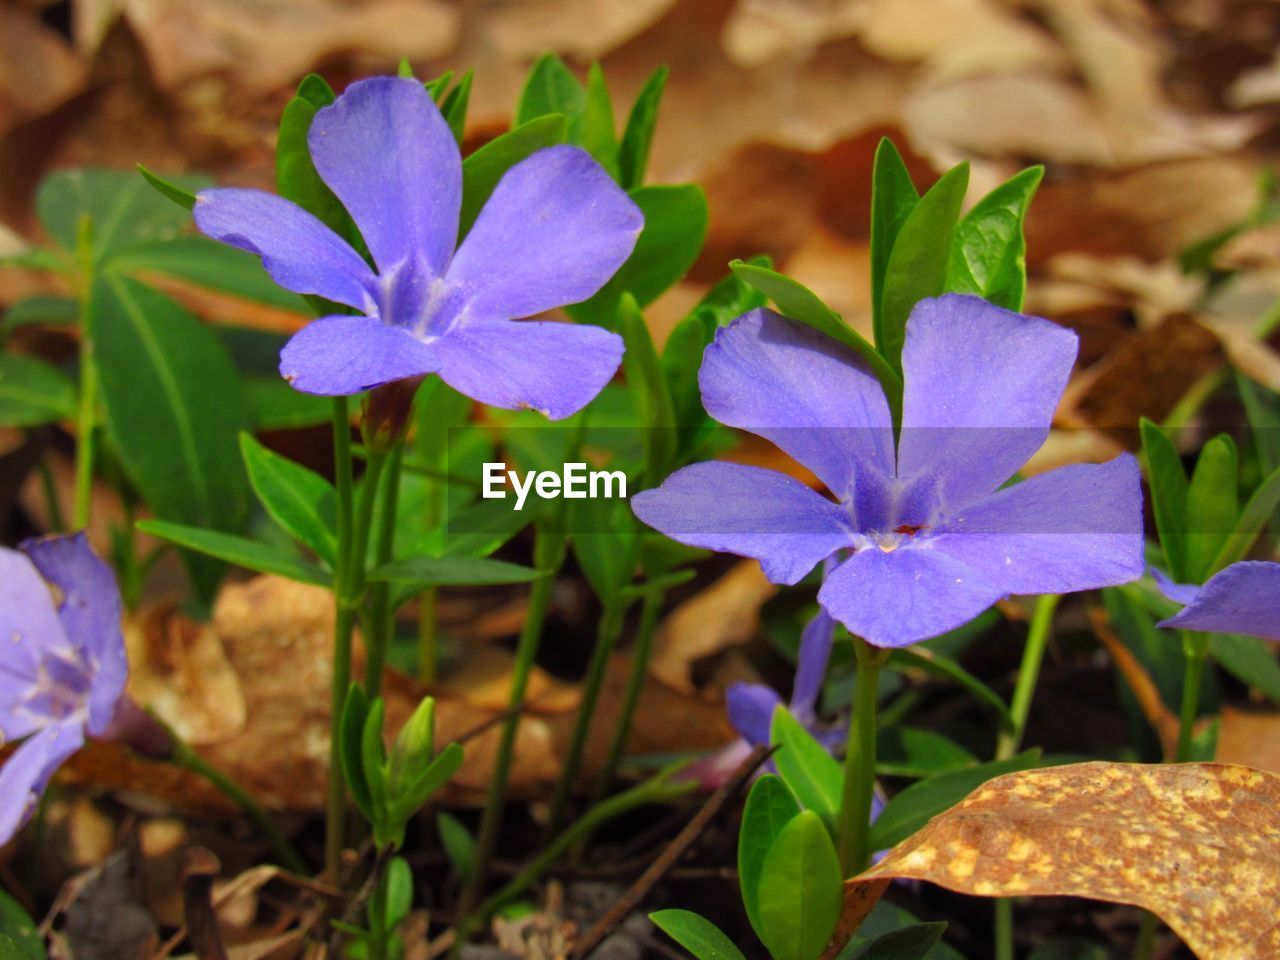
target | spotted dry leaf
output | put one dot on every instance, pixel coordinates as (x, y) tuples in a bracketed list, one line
[(1198, 844)]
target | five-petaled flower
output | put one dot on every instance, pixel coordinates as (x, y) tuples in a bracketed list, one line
[(554, 230), (1242, 598), (64, 669), (927, 537)]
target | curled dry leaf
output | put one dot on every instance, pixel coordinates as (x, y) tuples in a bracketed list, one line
[(1197, 844)]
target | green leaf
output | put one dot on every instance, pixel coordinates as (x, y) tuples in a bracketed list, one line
[(415, 744), (1258, 510), (681, 359), (296, 177), (453, 572), (481, 528), (439, 85), (459, 845), (482, 170), (174, 409), (315, 90), (598, 136), (455, 104), (770, 807), (917, 266), (604, 542), (21, 932), (179, 195), (915, 806), (1250, 660), (1168, 484), (373, 766), (930, 661), (675, 226), (250, 554), (801, 890), (732, 296), (903, 751), (908, 943), (893, 197), (300, 500), (399, 881), (637, 138), (696, 934), (62, 311), (552, 88), (1212, 505), (800, 303), (432, 778), (813, 775), (355, 711), (647, 384), (32, 392), (989, 256)]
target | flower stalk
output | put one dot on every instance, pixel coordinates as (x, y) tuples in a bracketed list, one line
[(853, 830), (344, 621)]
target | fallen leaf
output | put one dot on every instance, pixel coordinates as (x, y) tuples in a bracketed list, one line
[(1197, 844)]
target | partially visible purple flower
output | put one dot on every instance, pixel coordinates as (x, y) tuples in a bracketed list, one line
[(926, 538), (64, 670), (1243, 598), (555, 229)]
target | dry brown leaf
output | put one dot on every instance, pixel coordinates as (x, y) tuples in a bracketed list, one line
[(586, 29), (1198, 844), (1250, 738)]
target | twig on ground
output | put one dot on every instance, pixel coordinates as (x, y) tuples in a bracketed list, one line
[(199, 872)]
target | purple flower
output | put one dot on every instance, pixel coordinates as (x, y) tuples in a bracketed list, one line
[(1243, 598), (64, 670), (555, 229), (926, 538)]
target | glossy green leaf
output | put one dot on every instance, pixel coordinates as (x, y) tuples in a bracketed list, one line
[(989, 255), (16, 925), (886, 917), (299, 499), (893, 197), (453, 572), (932, 662), (647, 384), (1168, 484), (373, 767), (62, 311), (637, 138), (552, 88), (908, 943), (801, 890), (455, 105), (675, 226), (482, 170), (598, 137), (179, 195), (919, 803), (903, 751), (917, 266), (696, 934), (296, 177), (437, 87), (770, 806), (681, 359), (604, 543), (1258, 510), (398, 884), (250, 554), (33, 392), (813, 775), (173, 408), (800, 303), (1212, 505), (732, 295), (355, 711), (432, 777), (458, 843)]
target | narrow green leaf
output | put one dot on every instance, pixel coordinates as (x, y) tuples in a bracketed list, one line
[(604, 534), (174, 410), (436, 774), (373, 762), (801, 890), (1212, 505), (647, 384), (180, 196), (439, 85), (770, 807), (1168, 484), (61, 311), (250, 554), (675, 226), (915, 806), (455, 104), (637, 138), (800, 303), (989, 256), (917, 266), (1258, 510), (21, 931), (1250, 660), (903, 751), (355, 711), (921, 658), (908, 943), (598, 136), (813, 775), (696, 934), (453, 572), (893, 197), (398, 881), (32, 392), (483, 169), (459, 845), (300, 500), (552, 88), (296, 177), (315, 89)]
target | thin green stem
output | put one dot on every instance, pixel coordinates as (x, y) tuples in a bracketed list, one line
[(860, 762), (1010, 740), (608, 632), (650, 611), (548, 555), (86, 426), (344, 621), (1195, 647), (381, 616)]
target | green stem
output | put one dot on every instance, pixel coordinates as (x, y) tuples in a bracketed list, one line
[(548, 555), (608, 632), (650, 611), (381, 616), (86, 426), (344, 621), (188, 759), (860, 762), (48, 488), (1195, 647), (1011, 739)]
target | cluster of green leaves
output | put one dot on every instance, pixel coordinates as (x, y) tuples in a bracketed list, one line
[(389, 904)]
